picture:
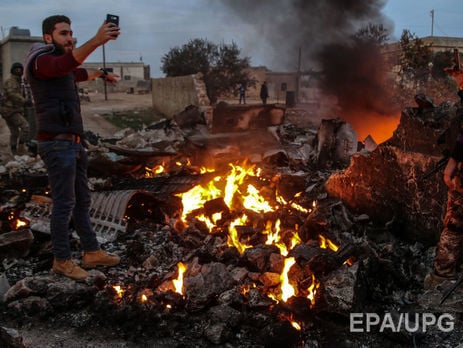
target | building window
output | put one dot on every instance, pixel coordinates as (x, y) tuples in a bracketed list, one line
[(127, 77)]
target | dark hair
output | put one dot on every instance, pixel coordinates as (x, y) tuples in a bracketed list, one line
[(48, 24)]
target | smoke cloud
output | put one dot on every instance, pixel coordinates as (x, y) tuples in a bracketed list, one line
[(322, 31)]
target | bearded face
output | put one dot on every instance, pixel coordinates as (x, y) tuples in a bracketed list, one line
[(61, 37), (59, 48)]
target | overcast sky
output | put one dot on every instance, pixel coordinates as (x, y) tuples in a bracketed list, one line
[(151, 27)]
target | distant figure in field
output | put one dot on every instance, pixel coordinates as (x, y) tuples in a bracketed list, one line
[(243, 93), (264, 93)]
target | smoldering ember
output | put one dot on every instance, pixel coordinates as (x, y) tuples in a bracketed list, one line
[(256, 227)]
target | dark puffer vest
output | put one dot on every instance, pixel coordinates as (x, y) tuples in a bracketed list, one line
[(57, 105)]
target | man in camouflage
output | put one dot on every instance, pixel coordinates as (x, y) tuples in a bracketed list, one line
[(13, 110), (449, 253), (449, 248)]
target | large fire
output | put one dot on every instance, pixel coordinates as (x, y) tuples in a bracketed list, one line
[(240, 195), (379, 127), (243, 194)]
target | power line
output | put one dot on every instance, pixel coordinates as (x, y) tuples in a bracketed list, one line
[(440, 29)]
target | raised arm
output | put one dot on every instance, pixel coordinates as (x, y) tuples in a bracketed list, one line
[(106, 32)]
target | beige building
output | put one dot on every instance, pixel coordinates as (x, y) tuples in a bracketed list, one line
[(134, 77), (14, 48), (443, 43), (391, 52)]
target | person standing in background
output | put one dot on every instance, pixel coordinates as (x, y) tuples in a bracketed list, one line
[(264, 93), (242, 93), (13, 110)]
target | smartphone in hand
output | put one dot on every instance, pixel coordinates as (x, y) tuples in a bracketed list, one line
[(112, 19)]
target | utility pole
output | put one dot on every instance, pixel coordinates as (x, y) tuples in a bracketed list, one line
[(3, 30), (432, 22), (104, 80), (298, 75)]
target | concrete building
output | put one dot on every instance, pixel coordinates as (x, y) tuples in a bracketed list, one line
[(14, 49), (443, 43), (391, 52), (134, 77)]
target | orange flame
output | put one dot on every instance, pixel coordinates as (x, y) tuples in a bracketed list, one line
[(234, 180), (245, 288), (209, 223), (295, 240), (16, 222), (233, 238), (234, 189), (198, 195), (156, 170), (312, 290), (296, 325), (20, 223), (290, 319), (178, 283), (272, 237), (295, 205), (326, 243), (380, 127), (119, 290), (204, 170), (227, 189), (254, 201), (287, 290)]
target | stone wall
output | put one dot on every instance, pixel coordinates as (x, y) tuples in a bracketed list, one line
[(171, 95)]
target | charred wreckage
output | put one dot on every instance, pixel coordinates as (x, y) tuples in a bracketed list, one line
[(247, 232)]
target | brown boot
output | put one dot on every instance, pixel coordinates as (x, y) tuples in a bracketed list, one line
[(69, 269), (99, 258)]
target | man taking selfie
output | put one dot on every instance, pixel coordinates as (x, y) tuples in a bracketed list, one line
[(52, 69)]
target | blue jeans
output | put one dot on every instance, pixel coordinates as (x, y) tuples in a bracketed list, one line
[(67, 163)]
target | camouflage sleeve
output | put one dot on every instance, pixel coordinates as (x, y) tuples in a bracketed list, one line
[(13, 92)]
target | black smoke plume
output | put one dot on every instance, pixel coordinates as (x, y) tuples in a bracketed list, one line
[(323, 32)]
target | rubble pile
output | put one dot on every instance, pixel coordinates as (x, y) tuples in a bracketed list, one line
[(354, 235)]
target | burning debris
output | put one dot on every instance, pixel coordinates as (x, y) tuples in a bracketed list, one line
[(276, 250)]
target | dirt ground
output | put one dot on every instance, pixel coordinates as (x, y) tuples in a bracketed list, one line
[(93, 109)]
